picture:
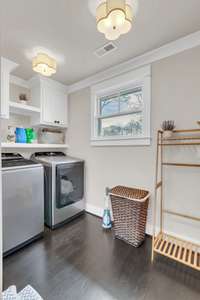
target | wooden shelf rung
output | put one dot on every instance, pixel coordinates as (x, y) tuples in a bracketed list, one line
[(180, 164), (185, 253), (175, 250), (181, 138), (157, 240), (195, 258), (165, 248), (179, 144), (179, 250), (160, 246), (186, 130), (190, 254), (170, 248)]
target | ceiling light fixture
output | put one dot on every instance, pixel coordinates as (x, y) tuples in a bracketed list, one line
[(114, 17), (44, 64)]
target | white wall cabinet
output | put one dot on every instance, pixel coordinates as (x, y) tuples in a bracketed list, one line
[(48, 98), (52, 97), (54, 105), (6, 67)]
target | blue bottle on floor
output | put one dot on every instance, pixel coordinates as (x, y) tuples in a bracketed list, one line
[(106, 221)]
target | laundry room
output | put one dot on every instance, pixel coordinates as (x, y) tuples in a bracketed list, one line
[(99, 150)]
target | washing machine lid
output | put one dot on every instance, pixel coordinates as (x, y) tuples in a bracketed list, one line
[(55, 158), (49, 154), (15, 160)]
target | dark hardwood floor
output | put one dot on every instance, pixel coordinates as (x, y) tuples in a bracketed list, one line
[(81, 261)]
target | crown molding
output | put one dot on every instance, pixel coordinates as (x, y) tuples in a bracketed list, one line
[(7, 64), (19, 81), (175, 47), (35, 79)]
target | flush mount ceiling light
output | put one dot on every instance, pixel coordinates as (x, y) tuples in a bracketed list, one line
[(115, 17), (44, 64)]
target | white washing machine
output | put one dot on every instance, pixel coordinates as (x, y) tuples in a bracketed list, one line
[(23, 201)]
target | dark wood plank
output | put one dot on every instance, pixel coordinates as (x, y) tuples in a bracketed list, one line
[(81, 261)]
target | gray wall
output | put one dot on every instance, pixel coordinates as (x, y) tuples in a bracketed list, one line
[(175, 95)]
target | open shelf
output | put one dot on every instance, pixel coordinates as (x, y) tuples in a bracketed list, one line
[(177, 249), (23, 109), (181, 164), (182, 251), (32, 146), (181, 138), (180, 144)]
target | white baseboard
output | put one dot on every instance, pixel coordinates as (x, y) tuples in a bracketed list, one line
[(98, 211)]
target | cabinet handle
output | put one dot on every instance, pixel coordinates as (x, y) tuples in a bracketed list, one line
[(57, 122)]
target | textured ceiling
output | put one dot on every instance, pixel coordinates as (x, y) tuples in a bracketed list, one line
[(66, 29)]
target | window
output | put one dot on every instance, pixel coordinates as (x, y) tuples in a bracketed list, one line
[(121, 110), (121, 114)]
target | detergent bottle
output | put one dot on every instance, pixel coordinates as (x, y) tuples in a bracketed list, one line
[(106, 221)]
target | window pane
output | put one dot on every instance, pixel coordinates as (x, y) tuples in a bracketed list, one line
[(131, 100), (127, 125), (109, 105)]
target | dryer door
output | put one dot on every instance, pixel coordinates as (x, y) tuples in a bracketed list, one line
[(69, 183)]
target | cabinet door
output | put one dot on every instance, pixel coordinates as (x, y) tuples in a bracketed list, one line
[(54, 105), (6, 66), (4, 103), (60, 111)]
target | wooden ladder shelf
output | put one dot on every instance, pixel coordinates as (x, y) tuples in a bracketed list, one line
[(173, 247)]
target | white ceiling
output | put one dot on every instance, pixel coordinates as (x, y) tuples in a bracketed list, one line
[(66, 29)]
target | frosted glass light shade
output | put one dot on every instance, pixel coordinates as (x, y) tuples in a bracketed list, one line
[(114, 17), (44, 64)]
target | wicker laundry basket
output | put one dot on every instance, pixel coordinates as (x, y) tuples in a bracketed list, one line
[(129, 206)]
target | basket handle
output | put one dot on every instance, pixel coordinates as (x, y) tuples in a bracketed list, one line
[(137, 200)]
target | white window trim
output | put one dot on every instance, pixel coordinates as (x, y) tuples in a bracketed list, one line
[(131, 79)]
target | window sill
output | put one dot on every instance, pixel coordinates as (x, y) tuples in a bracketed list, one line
[(121, 142)]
